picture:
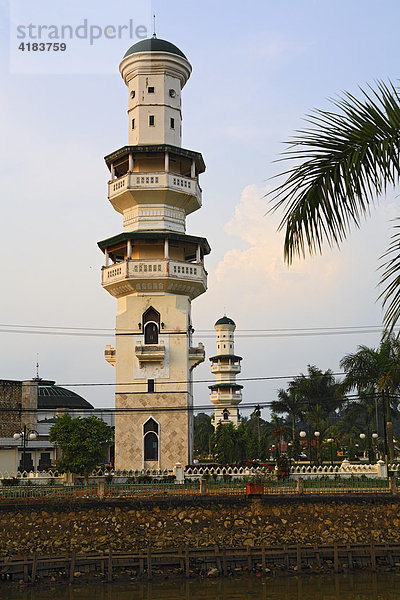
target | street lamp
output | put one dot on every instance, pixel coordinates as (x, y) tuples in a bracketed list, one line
[(290, 445), (362, 438), (317, 434), (330, 442), (374, 438), (25, 434), (304, 435)]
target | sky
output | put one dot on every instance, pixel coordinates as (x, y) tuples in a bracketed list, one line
[(258, 68)]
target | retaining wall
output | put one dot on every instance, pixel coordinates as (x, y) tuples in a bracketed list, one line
[(58, 527)]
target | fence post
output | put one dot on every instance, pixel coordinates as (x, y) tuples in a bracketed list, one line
[(203, 486), (382, 472), (68, 478), (300, 486), (393, 485), (100, 489), (179, 473)]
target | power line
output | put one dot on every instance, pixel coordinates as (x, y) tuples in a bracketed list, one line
[(213, 381), (201, 330), (186, 407), (204, 333)]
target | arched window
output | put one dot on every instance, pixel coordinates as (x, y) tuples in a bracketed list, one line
[(150, 446), (151, 325), (225, 414), (150, 333), (150, 439)]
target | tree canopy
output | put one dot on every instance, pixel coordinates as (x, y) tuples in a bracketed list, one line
[(82, 442)]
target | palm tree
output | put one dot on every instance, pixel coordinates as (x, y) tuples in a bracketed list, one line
[(343, 161), (317, 389), (288, 403), (374, 372), (312, 397)]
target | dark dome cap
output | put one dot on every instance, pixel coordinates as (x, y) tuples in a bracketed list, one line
[(225, 321), (53, 397), (154, 44)]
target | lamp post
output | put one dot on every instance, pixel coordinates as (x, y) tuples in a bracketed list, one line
[(330, 442), (273, 447), (290, 445), (25, 434), (317, 434), (374, 438), (304, 435), (362, 438)]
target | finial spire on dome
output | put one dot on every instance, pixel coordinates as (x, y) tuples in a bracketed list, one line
[(37, 378), (154, 26)]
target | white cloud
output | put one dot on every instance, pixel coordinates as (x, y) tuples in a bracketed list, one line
[(260, 266)]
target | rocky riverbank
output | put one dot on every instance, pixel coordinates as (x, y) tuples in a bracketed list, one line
[(120, 526)]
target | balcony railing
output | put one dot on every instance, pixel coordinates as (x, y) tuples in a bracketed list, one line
[(224, 368), (226, 398), (156, 180), (154, 269)]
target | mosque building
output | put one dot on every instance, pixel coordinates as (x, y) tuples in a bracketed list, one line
[(29, 408)]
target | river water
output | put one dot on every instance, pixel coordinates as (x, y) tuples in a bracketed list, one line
[(359, 586)]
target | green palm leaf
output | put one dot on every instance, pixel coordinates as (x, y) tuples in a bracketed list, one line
[(343, 162), (391, 280)]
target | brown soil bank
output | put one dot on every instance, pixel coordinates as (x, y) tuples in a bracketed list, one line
[(195, 522)]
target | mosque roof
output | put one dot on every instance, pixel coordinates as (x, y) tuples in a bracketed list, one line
[(225, 321), (53, 396), (154, 44)]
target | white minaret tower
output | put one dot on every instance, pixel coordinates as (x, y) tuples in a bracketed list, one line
[(152, 268), (225, 393)]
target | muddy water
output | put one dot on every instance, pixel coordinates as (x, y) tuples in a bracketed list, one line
[(360, 586)]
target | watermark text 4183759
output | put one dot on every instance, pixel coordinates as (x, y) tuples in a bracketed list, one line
[(42, 46)]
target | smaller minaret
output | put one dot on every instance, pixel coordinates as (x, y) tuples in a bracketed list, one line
[(225, 393)]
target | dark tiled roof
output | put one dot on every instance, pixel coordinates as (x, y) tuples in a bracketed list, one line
[(225, 321), (154, 44), (53, 396)]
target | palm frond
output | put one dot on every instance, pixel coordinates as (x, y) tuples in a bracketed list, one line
[(345, 161), (391, 280)]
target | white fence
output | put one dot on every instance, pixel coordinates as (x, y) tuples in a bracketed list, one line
[(345, 469)]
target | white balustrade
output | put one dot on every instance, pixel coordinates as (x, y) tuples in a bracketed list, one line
[(345, 469), (155, 180), (154, 268)]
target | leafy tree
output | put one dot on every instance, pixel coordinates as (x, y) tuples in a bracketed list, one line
[(203, 431), (82, 442), (224, 443), (343, 161), (232, 444)]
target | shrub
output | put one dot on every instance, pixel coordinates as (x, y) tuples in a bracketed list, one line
[(283, 467)]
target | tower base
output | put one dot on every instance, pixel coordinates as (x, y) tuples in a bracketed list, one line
[(153, 439)]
